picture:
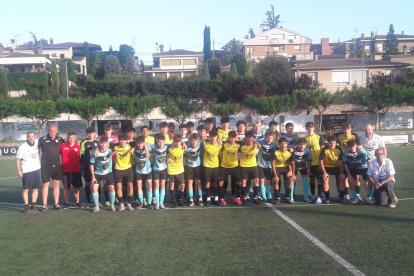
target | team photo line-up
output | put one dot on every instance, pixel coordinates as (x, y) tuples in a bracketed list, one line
[(195, 166)]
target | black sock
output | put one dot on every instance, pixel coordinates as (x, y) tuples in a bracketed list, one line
[(130, 199), (124, 195), (234, 187), (121, 200), (256, 191), (180, 194), (172, 194), (341, 194), (312, 188), (214, 190), (106, 194), (99, 193), (319, 190), (346, 191), (243, 191), (225, 185), (326, 194), (26, 206), (277, 194), (288, 191), (221, 192), (357, 189), (33, 204), (238, 191), (135, 194), (88, 193), (208, 192)]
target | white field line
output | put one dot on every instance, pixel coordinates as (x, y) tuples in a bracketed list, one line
[(318, 243), (9, 177)]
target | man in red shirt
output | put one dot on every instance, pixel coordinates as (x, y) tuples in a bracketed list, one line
[(70, 152)]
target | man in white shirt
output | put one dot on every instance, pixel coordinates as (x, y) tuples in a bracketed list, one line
[(381, 176), (28, 169), (371, 142)]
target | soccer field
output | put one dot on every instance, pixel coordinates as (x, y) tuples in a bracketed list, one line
[(282, 239)]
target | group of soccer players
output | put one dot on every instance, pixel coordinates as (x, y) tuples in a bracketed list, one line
[(195, 165)]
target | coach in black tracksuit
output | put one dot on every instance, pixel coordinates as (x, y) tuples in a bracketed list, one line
[(51, 166)]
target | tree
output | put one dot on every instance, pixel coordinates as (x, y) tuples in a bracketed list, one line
[(358, 52), (230, 49), (129, 67), (4, 82), (39, 112), (54, 80), (391, 44), (141, 64), (88, 108), (233, 70), (274, 75), (125, 53), (270, 106), (304, 100), (214, 67), (8, 107), (251, 33), (112, 66), (207, 44), (178, 110), (271, 21), (205, 72), (378, 98), (63, 79), (223, 109), (240, 61), (306, 82), (136, 106), (322, 99), (86, 53)]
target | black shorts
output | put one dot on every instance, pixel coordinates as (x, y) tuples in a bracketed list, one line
[(303, 172), (249, 172), (282, 171), (123, 175), (362, 172), (159, 175), (143, 177), (51, 171), (234, 172), (31, 180), (265, 173), (107, 178), (333, 171), (176, 179), (73, 179), (316, 172), (87, 173), (192, 173), (211, 174)]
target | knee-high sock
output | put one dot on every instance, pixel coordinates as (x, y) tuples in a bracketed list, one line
[(99, 193), (285, 185), (157, 196), (172, 195), (248, 186), (106, 194), (88, 194), (369, 193), (111, 196), (269, 192), (96, 199), (162, 195), (225, 185), (141, 198), (305, 187), (255, 191), (200, 192), (149, 197), (222, 192), (312, 188), (263, 191), (320, 190), (238, 191), (293, 189), (190, 193)]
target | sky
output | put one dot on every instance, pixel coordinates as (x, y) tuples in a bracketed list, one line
[(179, 24)]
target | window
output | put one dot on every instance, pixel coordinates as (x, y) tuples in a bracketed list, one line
[(297, 48), (340, 77), (313, 75), (358, 77), (278, 36), (315, 51), (267, 48), (250, 50), (389, 72), (170, 62), (62, 56), (263, 37), (380, 48), (277, 48), (189, 61), (291, 36), (367, 47), (175, 74)]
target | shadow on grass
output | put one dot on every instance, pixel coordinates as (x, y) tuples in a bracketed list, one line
[(14, 209)]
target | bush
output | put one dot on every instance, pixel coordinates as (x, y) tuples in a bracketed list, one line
[(36, 84), (241, 63), (214, 66)]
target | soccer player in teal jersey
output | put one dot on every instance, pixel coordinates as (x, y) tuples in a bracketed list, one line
[(143, 170), (192, 168), (303, 158), (159, 170)]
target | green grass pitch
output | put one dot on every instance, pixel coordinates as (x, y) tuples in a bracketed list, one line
[(231, 240)]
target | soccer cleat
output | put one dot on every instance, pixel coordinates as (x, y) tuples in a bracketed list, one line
[(326, 201), (200, 203), (248, 197), (96, 209), (360, 199), (79, 205), (191, 203), (129, 207), (208, 203), (234, 197), (121, 208), (343, 201), (244, 201), (136, 202), (370, 201), (270, 200), (66, 205), (174, 203), (222, 202), (277, 201), (100, 205), (290, 200), (313, 198), (355, 200), (107, 204), (318, 200), (34, 210), (162, 206), (180, 202), (113, 208), (150, 206), (153, 200), (27, 211), (57, 207), (256, 201), (157, 206), (44, 208), (238, 201), (139, 206), (307, 199)]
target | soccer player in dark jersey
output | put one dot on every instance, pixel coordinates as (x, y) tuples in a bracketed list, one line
[(87, 146), (290, 137), (143, 170), (192, 168), (273, 128), (258, 132), (329, 130), (190, 128), (101, 170), (303, 159), (51, 166), (159, 170)]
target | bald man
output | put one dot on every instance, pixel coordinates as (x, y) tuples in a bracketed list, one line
[(51, 167), (371, 142)]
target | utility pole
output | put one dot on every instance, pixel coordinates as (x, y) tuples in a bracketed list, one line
[(67, 87), (376, 29), (213, 48)]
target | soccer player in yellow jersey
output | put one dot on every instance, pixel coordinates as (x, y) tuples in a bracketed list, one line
[(211, 164), (248, 166), (330, 163), (283, 163), (230, 166), (201, 131), (208, 123), (123, 171), (148, 138), (175, 169), (223, 132), (164, 132), (131, 141), (241, 130), (314, 142), (273, 128)]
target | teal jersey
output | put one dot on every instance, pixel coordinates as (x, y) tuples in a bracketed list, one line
[(103, 162), (143, 164), (356, 160), (301, 157), (264, 159), (193, 155), (160, 157)]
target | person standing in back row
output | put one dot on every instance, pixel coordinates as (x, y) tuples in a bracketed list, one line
[(51, 167)]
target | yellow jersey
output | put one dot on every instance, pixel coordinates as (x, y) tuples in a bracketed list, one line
[(176, 165), (223, 135), (248, 156), (210, 155), (150, 140), (343, 140), (230, 155), (123, 157), (168, 140), (331, 158), (282, 159), (314, 144)]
